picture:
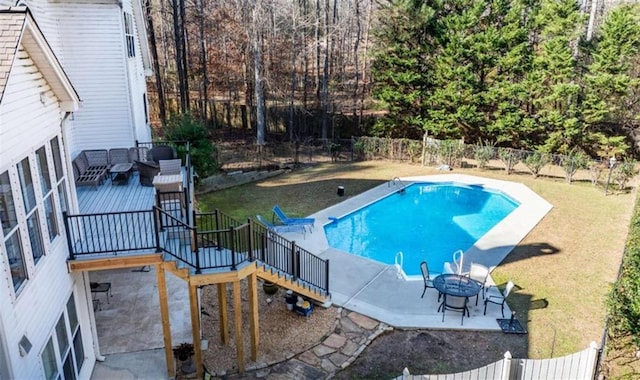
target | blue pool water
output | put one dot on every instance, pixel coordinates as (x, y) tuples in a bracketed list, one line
[(428, 221)]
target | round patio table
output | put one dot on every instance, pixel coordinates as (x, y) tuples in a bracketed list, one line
[(457, 285)]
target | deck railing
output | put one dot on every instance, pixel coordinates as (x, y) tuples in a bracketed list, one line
[(202, 241), (110, 232), (284, 255)]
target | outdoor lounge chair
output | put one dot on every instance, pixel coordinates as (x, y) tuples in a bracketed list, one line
[(281, 228), (500, 299), (90, 167), (292, 221), (428, 282)]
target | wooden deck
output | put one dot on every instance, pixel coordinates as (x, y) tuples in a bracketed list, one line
[(109, 197)]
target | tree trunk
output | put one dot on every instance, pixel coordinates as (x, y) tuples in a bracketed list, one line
[(204, 64), (156, 66), (257, 70)]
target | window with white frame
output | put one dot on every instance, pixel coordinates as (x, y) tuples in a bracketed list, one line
[(31, 211), (59, 173), (38, 182), (63, 355), (47, 193), (11, 233), (128, 34)]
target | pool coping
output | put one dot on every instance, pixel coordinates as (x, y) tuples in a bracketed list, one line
[(379, 291)]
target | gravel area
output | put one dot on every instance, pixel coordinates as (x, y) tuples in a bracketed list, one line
[(283, 333)]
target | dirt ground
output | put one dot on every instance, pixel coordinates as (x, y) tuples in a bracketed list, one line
[(432, 352)]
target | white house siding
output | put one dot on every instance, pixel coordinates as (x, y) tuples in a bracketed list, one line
[(28, 122), (94, 59), (137, 77)]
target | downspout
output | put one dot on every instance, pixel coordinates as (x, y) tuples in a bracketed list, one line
[(74, 209), (73, 201)]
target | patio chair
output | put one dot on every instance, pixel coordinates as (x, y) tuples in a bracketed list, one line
[(479, 273), (428, 282), (162, 152), (499, 299), (170, 167), (281, 228), (292, 221), (119, 156), (139, 153), (147, 171), (455, 304)]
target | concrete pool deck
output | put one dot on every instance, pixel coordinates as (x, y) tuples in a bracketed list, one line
[(380, 292)]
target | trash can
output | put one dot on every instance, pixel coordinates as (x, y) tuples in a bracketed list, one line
[(290, 299), (340, 191)]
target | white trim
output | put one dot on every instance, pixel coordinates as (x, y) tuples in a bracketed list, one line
[(39, 50)]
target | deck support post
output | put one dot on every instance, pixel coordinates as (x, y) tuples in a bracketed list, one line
[(237, 314), (222, 312), (253, 310), (195, 328), (166, 323)]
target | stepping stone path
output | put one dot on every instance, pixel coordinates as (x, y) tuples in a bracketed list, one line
[(353, 332)]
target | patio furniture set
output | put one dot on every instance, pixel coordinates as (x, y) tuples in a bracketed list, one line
[(456, 288), (158, 165)]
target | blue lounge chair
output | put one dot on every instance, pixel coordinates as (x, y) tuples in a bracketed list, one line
[(292, 221), (282, 228)]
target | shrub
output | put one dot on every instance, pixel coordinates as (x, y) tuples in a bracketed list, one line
[(572, 162), (482, 153), (509, 157), (184, 127), (623, 173), (624, 298), (535, 161)]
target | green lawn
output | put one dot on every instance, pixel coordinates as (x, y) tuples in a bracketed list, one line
[(563, 268)]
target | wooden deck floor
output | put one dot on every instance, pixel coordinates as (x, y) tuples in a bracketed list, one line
[(112, 198)]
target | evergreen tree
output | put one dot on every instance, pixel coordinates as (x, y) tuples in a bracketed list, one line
[(401, 66), (611, 83)]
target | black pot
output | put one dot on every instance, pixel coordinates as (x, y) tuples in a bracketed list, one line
[(269, 288)]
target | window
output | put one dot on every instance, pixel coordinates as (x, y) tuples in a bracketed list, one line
[(35, 236), (128, 33), (50, 216), (43, 170), (12, 241), (49, 361), (26, 181), (57, 158), (45, 184), (63, 356), (7, 207)]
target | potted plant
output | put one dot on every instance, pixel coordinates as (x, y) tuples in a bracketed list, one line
[(184, 353)]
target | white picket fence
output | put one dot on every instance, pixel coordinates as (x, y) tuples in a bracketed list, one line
[(578, 366)]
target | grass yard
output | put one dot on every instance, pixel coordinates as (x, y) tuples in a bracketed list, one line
[(563, 268)]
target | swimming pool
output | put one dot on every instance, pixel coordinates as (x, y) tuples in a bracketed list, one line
[(427, 221)]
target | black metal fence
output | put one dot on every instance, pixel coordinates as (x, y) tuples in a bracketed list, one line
[(113, 232), (216, 241), (284, 255)]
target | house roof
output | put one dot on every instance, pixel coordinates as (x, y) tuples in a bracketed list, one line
[(17, 26)]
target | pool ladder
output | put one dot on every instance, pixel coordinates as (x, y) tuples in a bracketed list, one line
[(399, 259), (398, 183)]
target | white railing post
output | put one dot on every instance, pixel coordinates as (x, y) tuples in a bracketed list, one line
[(506, 366)]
